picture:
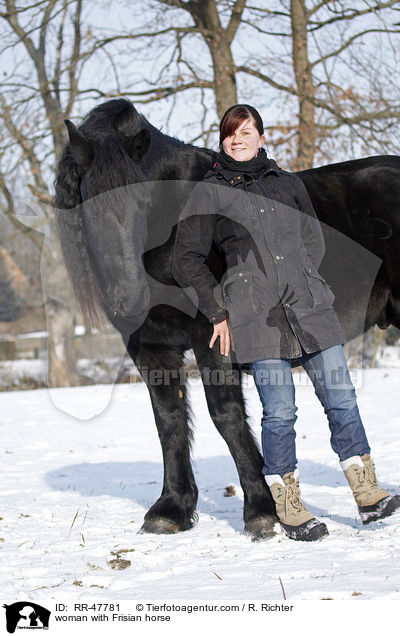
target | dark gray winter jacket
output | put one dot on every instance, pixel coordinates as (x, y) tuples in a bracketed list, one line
[(271, 291)]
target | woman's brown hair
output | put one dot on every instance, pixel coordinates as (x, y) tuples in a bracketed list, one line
[(234, 116)]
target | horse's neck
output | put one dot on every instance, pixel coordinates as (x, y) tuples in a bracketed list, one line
[(176, 161)]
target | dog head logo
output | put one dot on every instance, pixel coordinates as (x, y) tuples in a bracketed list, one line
[(26, 615)]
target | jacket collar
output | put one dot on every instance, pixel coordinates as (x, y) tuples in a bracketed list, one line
[(234, 178)]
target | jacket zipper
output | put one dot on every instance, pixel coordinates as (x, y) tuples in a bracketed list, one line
[(262, 191)]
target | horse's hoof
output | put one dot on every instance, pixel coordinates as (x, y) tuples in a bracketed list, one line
[(159, 526), (260, 529)]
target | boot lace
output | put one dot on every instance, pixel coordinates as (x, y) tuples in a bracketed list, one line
[(367, 474), (292, 498)]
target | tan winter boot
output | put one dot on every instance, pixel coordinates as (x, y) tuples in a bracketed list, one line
[(373, 502), (296, 520)]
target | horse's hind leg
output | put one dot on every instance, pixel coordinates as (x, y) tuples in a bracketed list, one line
[(175, 508), (226, 406)]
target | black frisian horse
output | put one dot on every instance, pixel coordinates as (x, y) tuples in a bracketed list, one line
[(109, 202)]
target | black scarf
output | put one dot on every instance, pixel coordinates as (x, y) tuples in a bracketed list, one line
[(255, 166)]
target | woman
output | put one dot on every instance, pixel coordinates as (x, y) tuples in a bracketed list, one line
[(275, 309)]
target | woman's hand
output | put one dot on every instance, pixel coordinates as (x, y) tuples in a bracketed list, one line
[(222, 330)]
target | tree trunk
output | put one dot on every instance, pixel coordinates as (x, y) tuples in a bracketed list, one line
[(307, 130), (60, 314), (61, 362), (224, 74), (219, 40)]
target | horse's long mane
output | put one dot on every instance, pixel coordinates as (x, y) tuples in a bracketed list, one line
[(108, 121)]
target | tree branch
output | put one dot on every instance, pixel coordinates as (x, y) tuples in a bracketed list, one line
[(24, 143), (268, 80), (73, 80), (354, 14), (235, 20), (9, 211), (349, 42), (159, 93)]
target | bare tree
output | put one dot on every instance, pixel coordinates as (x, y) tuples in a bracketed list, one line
[(218, 39), (343, 91), (38, 92), (191, 45), (307, 63), (313, 60)]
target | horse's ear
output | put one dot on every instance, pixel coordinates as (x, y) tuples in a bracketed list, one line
[(137, 145), (81, 147)]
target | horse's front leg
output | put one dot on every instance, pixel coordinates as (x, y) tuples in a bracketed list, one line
[(163, 373), (226, 406)]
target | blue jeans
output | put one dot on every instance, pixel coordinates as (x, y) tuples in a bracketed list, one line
[(330, 376)]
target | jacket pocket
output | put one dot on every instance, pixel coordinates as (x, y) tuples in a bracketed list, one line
[(320, 291), (237, 291)]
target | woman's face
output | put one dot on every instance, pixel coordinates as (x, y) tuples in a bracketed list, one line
[(245, 142)]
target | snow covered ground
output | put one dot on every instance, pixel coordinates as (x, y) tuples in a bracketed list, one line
[(74, 493)]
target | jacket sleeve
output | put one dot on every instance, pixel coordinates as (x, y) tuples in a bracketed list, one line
[(193, 241), (313, 237)]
